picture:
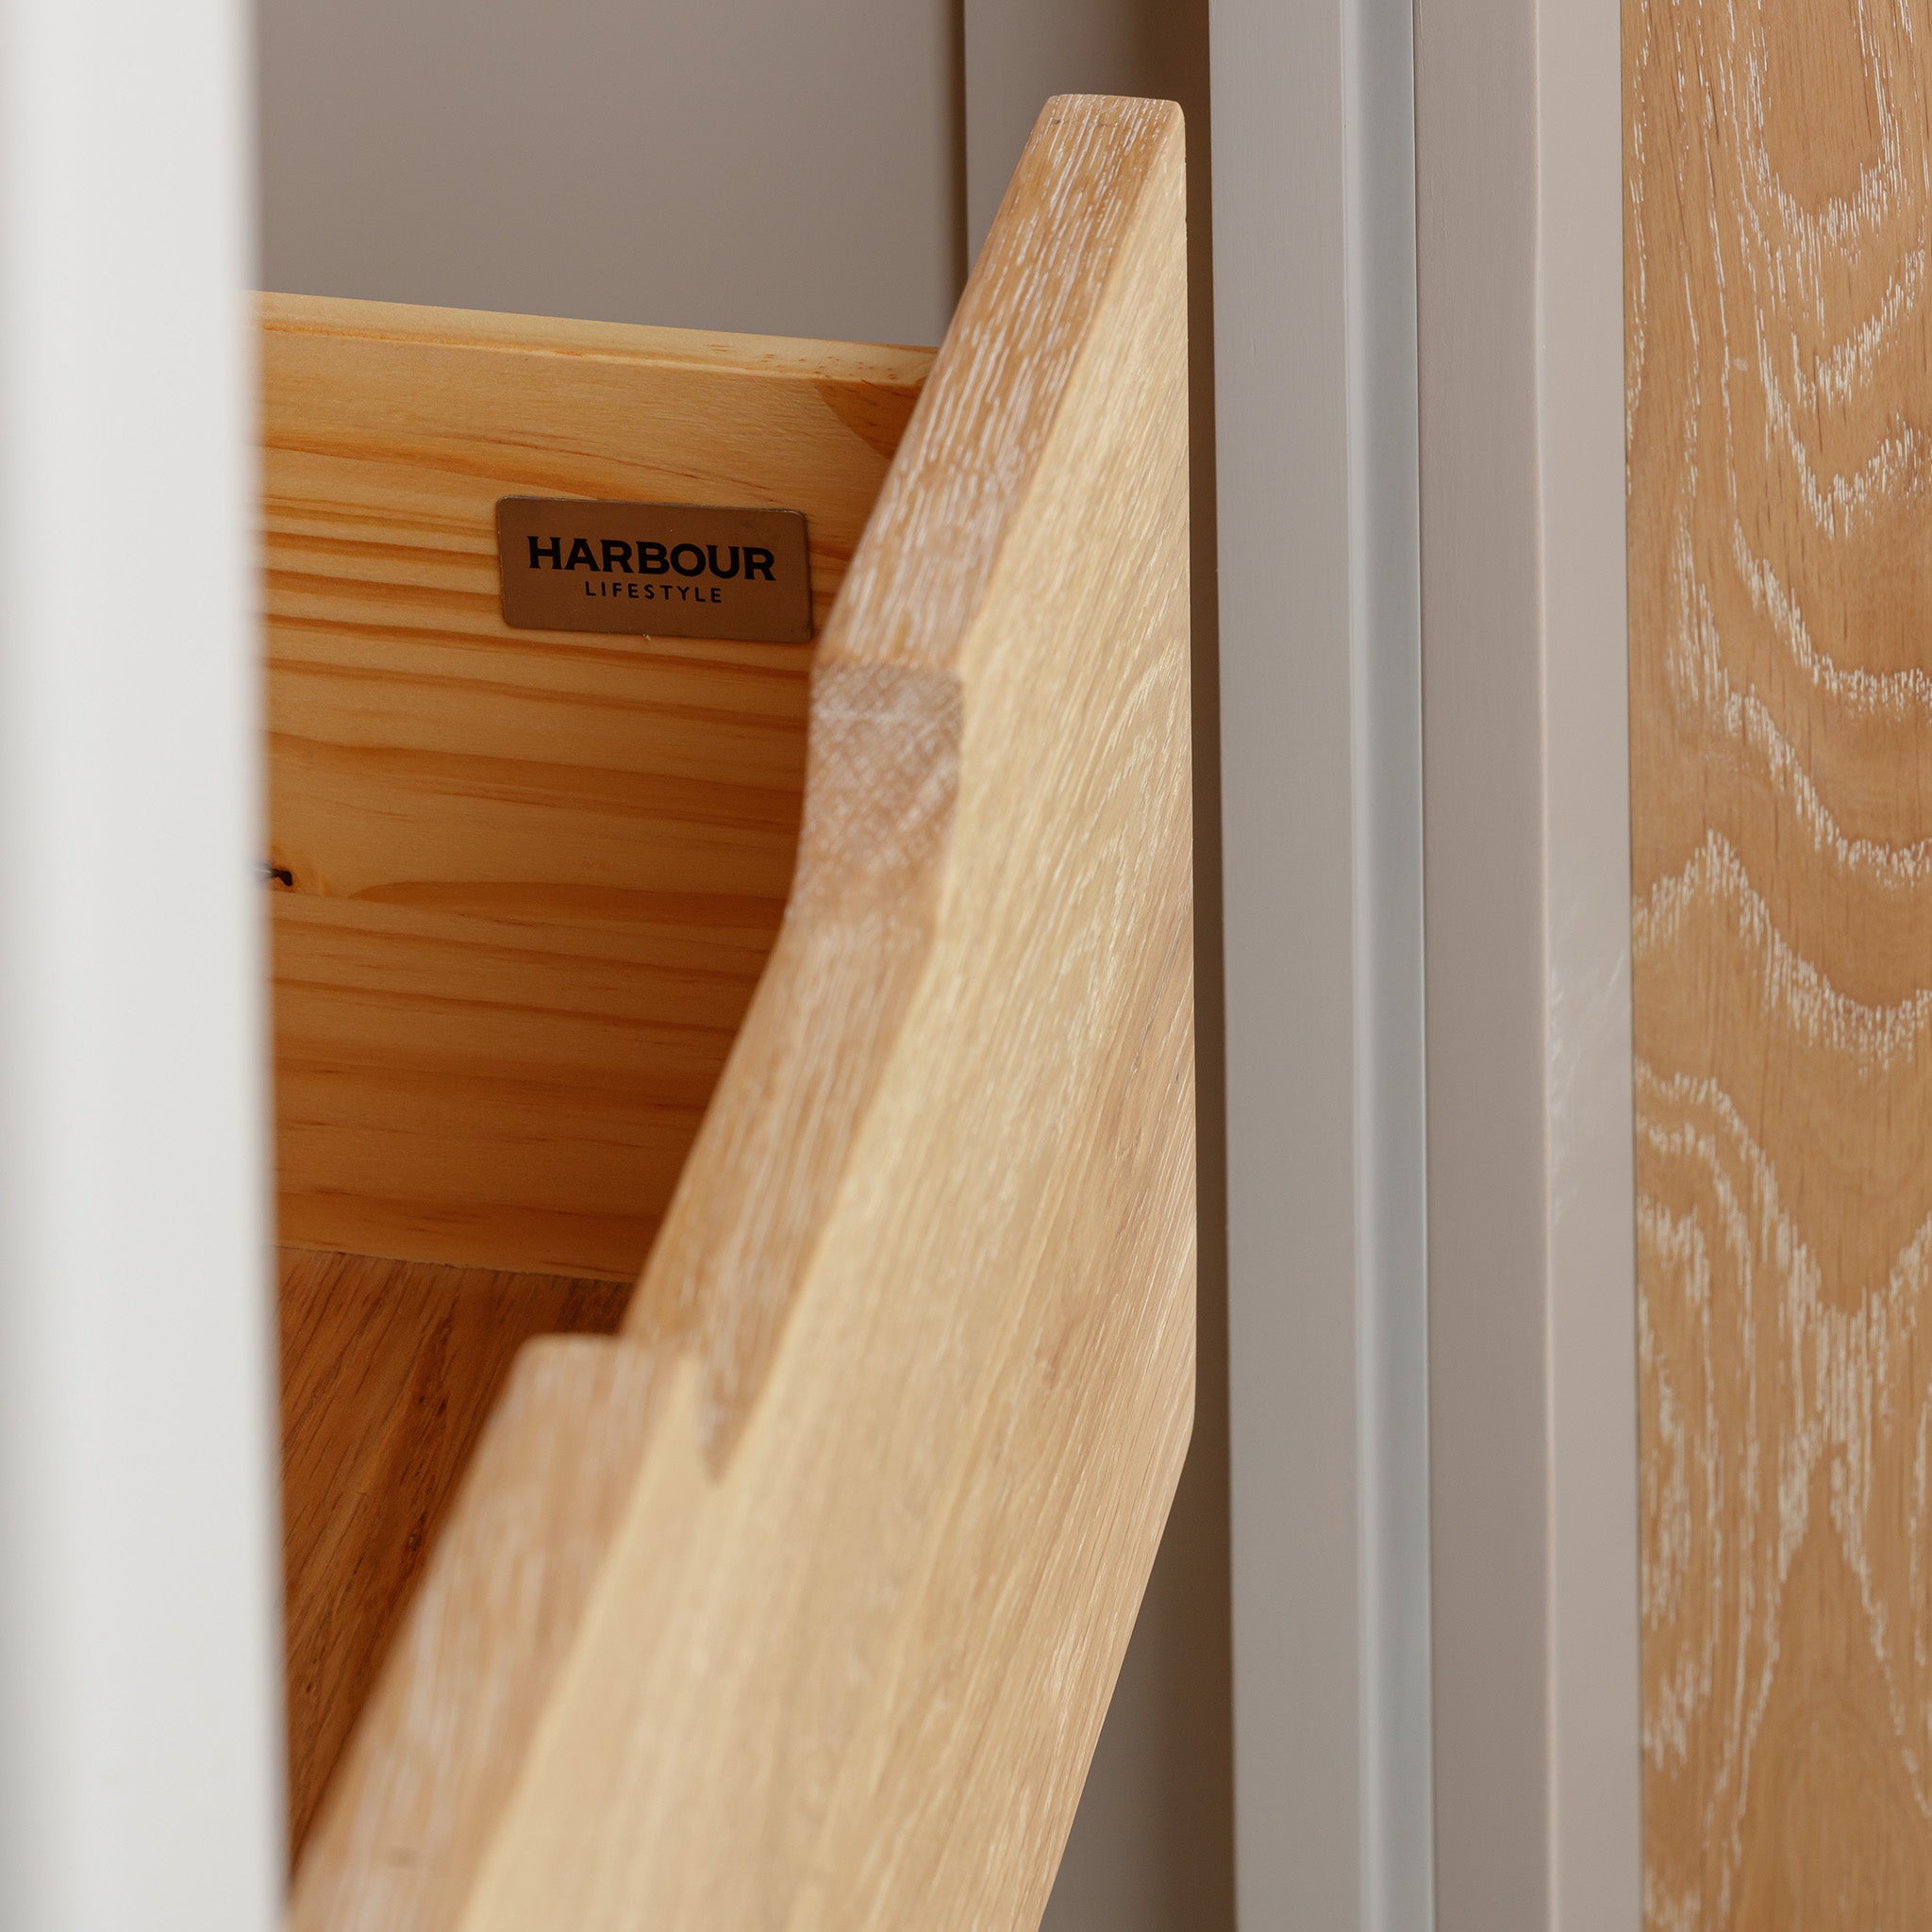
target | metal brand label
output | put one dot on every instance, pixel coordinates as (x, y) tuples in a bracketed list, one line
[(653, 569)]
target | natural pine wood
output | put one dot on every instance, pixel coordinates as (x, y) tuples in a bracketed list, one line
[(532, 878), (1779, 170), (389, 1372), (824, 1634)]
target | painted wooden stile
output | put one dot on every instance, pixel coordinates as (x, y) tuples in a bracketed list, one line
[(793, 1590)]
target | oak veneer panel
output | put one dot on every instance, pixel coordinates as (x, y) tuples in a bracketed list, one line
[(530, 879), (910, 1375), (1779, 174), (388, 1371)]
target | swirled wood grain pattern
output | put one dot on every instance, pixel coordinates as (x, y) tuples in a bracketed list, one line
[(1779, 213)]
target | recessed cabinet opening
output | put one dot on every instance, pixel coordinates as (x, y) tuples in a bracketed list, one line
[(522, 883)]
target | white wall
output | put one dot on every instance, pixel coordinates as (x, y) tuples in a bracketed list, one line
[(750, 164)]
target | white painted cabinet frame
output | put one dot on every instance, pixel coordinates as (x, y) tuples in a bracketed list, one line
[(1435, 1635), (140, 1661)]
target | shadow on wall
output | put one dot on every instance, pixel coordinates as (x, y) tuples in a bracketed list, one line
[(823, 171)]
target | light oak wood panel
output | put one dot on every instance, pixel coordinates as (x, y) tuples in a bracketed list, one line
[(513, 1567), (389, 1372), (529, 881), (1779, 174), (910, 1377)]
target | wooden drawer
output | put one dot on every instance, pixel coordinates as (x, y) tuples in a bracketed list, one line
[(838, 996)]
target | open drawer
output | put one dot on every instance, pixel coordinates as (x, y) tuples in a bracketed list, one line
[(842, 989)]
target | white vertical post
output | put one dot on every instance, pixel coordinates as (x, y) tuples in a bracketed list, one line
[(140, 1782), (1532, 1269), (1315, 372)]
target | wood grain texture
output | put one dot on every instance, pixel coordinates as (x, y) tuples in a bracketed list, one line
[(389, 1372), (919, 1325), (1778, 171), (531, 878), (485, 1637)]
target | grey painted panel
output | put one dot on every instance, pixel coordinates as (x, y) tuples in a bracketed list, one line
[(736, 165)]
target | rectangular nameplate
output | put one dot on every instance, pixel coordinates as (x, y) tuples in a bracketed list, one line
[(653, 569)]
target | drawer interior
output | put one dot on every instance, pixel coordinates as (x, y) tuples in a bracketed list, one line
[(522, 884)]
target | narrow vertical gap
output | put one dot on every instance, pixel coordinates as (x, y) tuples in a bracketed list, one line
[(956, 105)]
